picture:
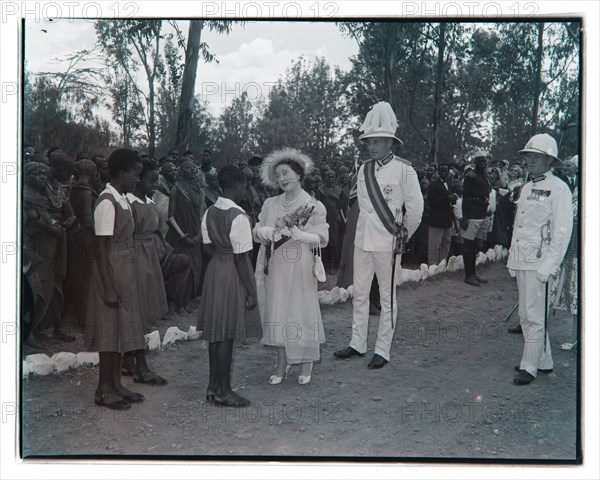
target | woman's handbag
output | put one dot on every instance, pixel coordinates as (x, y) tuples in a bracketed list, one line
[(318, 267)]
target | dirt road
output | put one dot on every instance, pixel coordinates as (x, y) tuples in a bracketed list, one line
[(447, 392)]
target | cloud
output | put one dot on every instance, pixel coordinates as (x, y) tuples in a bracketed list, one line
[(254, 67), (251, 59), (60, 38)]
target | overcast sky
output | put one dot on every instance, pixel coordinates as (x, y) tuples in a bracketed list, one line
[(250, 58)]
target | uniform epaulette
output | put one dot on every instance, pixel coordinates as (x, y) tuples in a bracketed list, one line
[(403, 160)]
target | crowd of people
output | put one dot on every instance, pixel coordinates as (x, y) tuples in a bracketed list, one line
[(112, 245)]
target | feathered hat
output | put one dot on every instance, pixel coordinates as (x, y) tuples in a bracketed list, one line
[(267, 168), (380, 122)]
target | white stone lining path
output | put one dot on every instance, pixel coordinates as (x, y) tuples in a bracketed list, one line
[(42, 364)]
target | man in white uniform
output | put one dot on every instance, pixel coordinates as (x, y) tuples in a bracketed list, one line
[(386, 185), (541, 234)]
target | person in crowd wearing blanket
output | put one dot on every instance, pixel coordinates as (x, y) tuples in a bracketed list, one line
[(149, 278), (541, 234), (229, 286), (114, 322), (386, 186)]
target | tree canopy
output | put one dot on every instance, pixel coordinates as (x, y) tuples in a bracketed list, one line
[(454, 87)]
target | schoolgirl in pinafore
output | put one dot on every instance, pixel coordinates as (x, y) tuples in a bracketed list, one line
[(223, 300), (151, 289), (116, 329)]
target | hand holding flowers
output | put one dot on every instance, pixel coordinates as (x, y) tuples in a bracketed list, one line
[(285, 228)]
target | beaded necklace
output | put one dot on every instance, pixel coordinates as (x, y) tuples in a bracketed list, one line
[(289, 205), (56, 194)]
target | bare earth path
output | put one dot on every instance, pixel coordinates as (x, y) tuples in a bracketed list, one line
[(447, 393)]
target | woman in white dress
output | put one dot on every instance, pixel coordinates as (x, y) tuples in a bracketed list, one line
[(290, 226)]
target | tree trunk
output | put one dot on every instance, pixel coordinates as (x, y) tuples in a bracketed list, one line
[(152, 97), (126, 129), (437, 107), (389, 62), (538, 79), (186, 104), (152, 122)]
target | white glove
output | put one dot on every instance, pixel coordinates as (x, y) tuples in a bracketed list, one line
[(305, 237), (542, 277), (265, 233)]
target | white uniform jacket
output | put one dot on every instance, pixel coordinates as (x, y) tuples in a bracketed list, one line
[(548, 200), (399, 186)]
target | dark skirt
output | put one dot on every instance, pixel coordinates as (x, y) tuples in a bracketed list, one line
[(118, 329), (223, 301)]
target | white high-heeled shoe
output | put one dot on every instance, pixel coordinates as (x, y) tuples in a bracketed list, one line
[(276, 380), (568, 345), (304, 379)]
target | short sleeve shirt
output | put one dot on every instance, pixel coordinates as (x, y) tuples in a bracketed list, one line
[(104, 213), (240, 234)]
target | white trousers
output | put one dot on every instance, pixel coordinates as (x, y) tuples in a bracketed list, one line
[(366, 264), (532, 295)]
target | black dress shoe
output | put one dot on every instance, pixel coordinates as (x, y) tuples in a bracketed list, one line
[(232, 400), (541, 370), (472, 281), (523, 378), (481, 279), (516, 329), (149, 377), (377, 362), (347, 353)]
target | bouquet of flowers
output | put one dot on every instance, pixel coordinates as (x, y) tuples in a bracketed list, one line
[(298, 218)]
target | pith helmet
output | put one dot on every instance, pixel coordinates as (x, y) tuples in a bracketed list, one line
[(544, 144), (380, 122)]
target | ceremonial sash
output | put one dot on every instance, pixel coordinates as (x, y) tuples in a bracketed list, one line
[(379, 204)]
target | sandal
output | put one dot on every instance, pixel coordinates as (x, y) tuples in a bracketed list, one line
[(119, 403), (151, 378), (568, 345), (131, 397)]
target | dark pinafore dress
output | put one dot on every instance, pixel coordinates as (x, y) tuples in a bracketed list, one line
[(116, 329), (223, 301), (151, 285)]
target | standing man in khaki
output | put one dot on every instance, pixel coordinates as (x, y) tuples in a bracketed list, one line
[(388, 194), (542, 231)]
